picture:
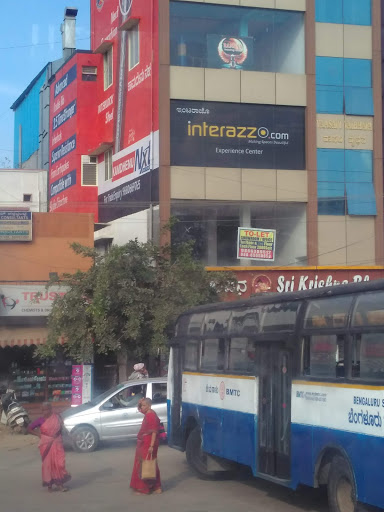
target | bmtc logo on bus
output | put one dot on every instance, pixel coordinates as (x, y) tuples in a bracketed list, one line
[(224, 391)]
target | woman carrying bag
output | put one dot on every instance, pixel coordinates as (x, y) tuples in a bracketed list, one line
[(146, 475)]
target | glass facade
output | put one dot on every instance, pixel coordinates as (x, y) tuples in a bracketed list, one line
[(220, 36), (213, 227)]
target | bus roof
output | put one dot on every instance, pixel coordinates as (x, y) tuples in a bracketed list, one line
[(270, 298)]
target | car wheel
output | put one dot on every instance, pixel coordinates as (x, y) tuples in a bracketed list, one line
[(85, 439), (341, 487)]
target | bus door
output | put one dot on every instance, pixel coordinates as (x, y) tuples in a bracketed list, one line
[(175, 391), (274, 418)]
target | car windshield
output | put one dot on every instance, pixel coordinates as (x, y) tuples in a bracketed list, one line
[(106, 394)]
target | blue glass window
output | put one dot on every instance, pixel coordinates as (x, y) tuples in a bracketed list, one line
[(356, 12), (330, 165), (223, 36), (329, 71), (357, 73), (329, 99), (358, 166), (359, 101), (329, 11), (361, 199)]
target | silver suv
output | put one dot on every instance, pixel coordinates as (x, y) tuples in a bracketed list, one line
[(114, 414)]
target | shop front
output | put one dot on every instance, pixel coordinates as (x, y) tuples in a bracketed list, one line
[(255, 280), (23, 327)]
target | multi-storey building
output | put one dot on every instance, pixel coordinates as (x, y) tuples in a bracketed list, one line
[(261, 114)]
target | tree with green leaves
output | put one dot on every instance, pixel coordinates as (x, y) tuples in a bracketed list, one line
[(128, 300)]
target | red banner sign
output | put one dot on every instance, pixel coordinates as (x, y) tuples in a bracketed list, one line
[(251, 282)]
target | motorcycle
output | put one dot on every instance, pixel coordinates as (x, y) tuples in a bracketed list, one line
[(13, 414)]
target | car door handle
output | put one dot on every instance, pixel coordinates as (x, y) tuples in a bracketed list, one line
[(125, 415)]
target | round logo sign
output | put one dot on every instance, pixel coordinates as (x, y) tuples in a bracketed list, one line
[(232, 51), (99, 4), (222, 390), (125, 7), (261, 283)]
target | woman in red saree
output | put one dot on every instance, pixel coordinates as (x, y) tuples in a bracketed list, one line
[(51, 448), (147, 446)]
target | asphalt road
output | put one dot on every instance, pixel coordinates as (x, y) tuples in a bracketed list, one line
[(101, 483)]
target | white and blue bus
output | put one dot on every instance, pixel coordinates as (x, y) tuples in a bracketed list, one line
[(291, 385)]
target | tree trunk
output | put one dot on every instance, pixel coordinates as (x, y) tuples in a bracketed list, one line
[(122, 364)]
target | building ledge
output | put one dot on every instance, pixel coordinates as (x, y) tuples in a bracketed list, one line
[(129, 23), (103, 47), (101, 148)]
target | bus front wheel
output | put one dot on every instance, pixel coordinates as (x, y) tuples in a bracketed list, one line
[(197, 459), (341, 487)]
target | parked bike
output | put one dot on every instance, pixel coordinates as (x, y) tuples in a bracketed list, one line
[(13, 414)]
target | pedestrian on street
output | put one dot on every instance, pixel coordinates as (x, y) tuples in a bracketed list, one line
[(147, 446), (49, 429), (140, 372)]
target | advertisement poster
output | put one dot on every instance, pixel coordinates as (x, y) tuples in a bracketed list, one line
[(15, 226), (256, 244), (128, 110), (82, 382), (63, 159), (229, 52), (215, 134)]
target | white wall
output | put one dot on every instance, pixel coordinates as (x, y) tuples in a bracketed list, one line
[(121, 231), (14, 183)]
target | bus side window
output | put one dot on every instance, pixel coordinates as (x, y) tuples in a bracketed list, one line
[(241, 355), (213, 354), (191, 355), (324, 356), (368, 356)]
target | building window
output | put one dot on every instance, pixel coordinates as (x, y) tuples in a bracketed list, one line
[(27, 198), (213, 227), (89, 73), (108, 68), (108, 164), (134, 47), (232, 37), (88, 171)]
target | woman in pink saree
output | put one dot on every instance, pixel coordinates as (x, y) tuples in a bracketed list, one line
[(51, 448), (147, 446)]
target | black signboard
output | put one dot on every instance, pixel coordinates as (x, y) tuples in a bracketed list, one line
[(129, 197), (213, 134)]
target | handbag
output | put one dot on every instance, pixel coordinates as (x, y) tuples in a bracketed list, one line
[(148, 468)]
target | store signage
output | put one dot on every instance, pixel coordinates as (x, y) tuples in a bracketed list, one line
[(256, 244), (229, 52), (15, 226), (28, 300), (213, 134), (67, 79), (134, 182), (82, 383), (63, 183), (344, 132), (251, 282)]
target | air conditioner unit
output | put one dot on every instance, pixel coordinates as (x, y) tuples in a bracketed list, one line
[(89, 171)]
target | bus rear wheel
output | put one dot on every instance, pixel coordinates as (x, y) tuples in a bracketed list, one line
[(197, 459), (341, 487)]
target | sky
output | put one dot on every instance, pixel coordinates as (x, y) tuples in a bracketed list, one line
[(29, 38)]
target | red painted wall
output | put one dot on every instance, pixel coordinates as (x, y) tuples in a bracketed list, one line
[(73, 122), (128, 111)]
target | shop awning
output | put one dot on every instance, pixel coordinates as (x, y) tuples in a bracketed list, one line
[(24, 336)]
